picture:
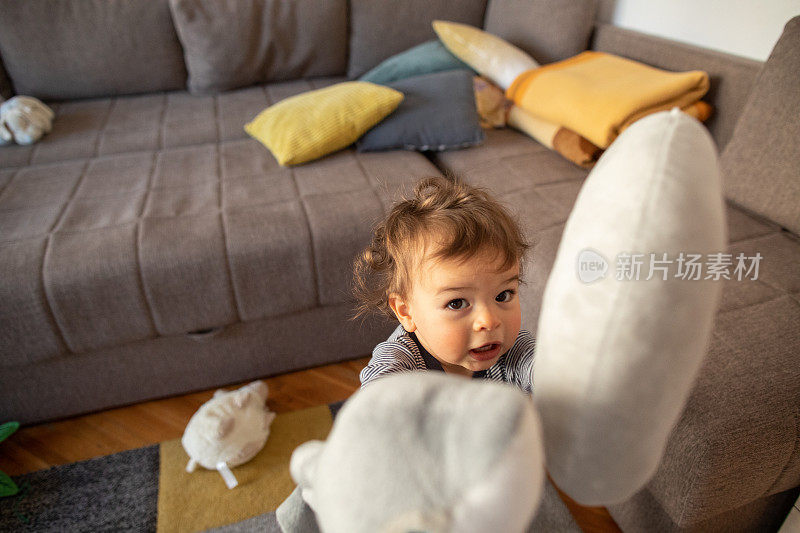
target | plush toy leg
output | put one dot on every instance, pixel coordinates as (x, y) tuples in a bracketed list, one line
[(191, 466), (6, 137), (295, 515), (227, 475)]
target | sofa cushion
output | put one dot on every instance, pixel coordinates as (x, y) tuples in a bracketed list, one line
[(644, 513), (425, 58), (437, 113), (107, 126), (777, 272), (736, 441), (379, 30), (59, 49), (743, 225), (761, 161), (314, 124), (101, 251), (509, 160), (549, 30), (282, 40)]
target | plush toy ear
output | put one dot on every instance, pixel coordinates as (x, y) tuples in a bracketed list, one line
[(260, 389), (619, 341), (303, 467)]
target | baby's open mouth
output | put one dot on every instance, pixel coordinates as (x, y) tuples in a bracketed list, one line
[(486, 352), (484, 348)]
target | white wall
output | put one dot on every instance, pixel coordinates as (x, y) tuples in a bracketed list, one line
[(746, 28)]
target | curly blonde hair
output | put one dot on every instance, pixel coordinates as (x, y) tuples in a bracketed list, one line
[(445, 216)]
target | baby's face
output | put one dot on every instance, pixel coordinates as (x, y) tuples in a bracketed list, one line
[(465, 313)]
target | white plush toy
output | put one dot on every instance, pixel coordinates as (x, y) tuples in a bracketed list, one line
[(228, 430), (24, 120), (423, 452)]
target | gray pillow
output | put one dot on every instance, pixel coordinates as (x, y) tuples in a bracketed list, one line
[(761, 161), (235, 44), (381, 28), (61, 49), (438, 113), (549, 30)]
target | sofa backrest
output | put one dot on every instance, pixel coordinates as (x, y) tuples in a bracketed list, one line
[(238, 43), (549, 30), (63, 49), (381, 28), (732, 77)]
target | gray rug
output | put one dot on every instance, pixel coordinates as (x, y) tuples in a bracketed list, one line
[(114, 493)]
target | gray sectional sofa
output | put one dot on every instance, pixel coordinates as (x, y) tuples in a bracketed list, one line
[(148, 247)]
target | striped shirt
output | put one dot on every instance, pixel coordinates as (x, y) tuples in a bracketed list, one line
[(402, 352)]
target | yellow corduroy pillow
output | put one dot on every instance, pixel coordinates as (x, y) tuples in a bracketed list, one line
[(315, 123)]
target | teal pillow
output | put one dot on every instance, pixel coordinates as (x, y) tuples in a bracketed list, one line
[(424, 58)]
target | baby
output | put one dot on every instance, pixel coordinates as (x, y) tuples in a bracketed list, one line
[(446, 263)]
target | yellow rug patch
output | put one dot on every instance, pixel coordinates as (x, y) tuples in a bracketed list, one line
[(201, 500)]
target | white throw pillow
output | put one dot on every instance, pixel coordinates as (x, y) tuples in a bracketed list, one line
[(616, 359), (487, 54)]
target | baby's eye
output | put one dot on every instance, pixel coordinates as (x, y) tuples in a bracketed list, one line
[(505, 296), (457, 304)]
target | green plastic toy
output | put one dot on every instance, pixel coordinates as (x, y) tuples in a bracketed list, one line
[(7, 486)]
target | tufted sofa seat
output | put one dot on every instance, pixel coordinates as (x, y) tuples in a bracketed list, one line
[(155, 217)]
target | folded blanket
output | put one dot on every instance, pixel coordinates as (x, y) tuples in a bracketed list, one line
[(575, 148), (569, 144), (564, 141), (597, 94), (700, 110)]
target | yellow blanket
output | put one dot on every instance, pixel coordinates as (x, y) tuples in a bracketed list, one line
[(597, 95)]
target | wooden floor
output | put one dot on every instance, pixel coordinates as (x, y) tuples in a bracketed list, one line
[(36, 447)]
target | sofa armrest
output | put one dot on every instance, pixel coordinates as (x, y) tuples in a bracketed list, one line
[(737, 440)]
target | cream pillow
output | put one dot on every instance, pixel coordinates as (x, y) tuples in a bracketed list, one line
[(616, 359), (315, 123), (487, 54)]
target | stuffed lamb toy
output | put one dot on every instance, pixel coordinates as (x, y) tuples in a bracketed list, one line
[(615, 361), (24, 120), (429, 452), (228, 430)]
